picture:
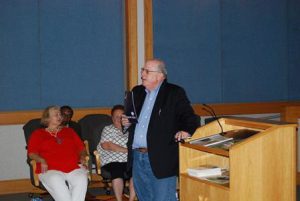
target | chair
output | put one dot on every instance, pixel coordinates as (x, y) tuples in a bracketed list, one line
[(76, 127), (105, 174), (91, 129), (28, 129), (31, 126), (92, 126), (106, 177)]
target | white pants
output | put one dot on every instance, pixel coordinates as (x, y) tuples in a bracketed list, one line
[(55, 183)]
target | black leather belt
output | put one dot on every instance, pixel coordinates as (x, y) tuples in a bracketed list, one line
[(142, 149)]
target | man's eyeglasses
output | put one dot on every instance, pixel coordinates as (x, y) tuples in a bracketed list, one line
[(147, 71)]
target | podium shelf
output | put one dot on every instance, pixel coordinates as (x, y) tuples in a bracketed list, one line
[(222, 186)]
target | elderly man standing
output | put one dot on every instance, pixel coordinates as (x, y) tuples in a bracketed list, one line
[(165, 116)]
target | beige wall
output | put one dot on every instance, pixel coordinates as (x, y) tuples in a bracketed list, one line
[(12, 153)]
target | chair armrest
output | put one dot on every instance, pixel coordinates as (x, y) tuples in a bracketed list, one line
[(98, 163), (86, 164), (35, 175), (87, 148), (87, 158)]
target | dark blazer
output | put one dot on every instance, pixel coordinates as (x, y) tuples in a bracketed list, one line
[(171, 113)]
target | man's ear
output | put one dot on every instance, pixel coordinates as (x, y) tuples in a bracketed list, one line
[(161, 77)]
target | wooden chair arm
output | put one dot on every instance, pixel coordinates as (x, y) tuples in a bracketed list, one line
[(86, 164), (98, 163), (87, 148), (35, 175), (87, 158)]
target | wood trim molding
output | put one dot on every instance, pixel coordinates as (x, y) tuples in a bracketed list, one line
[(21, 117), (131, 43), (148, 24), (291, 114), (246, 108)]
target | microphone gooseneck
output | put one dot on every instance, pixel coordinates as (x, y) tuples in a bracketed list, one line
[(211, 111)]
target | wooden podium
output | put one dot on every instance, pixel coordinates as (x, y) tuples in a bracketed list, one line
[(261, 167)]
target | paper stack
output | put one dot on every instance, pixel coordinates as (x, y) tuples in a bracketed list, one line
[(204, 171), (211, 140)]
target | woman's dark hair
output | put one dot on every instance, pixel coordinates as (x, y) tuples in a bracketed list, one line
[(116, 107)]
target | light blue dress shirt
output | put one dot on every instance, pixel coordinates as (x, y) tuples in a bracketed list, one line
[(141, 129)]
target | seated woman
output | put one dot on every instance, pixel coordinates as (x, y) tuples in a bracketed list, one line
[(57, 151), (113, 153)]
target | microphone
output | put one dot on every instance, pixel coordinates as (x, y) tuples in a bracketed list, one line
[(211, 111), (129, 107), (129, 110)]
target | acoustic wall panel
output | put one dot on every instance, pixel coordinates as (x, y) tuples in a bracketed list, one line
[(82, 47), (254, 41), (187, 38), (61, 52), (294, 49), (19, 55), (230, 51)]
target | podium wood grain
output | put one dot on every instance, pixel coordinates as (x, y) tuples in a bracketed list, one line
[(262, 167)]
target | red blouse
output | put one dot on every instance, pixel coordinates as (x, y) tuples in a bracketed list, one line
[(61, 153)]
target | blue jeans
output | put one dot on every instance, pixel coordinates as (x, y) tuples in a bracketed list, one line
[(146, 185)]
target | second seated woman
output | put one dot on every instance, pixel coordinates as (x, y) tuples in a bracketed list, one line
[(113, 153)]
